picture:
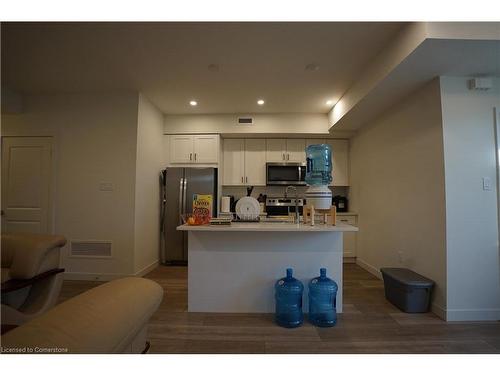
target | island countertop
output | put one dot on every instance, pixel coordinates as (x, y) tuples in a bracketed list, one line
[(269, 227)]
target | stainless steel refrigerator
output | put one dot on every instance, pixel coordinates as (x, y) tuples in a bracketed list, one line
[(177, 187)]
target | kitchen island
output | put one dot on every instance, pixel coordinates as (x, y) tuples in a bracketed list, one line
[(233, 268)]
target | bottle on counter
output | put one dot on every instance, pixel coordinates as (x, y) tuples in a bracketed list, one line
[(288, 295), (323, 300)]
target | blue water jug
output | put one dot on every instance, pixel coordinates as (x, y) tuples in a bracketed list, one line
[(323, 300), (288, 294), (319, 165)]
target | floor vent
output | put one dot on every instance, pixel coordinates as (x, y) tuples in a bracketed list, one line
[(91, 248)]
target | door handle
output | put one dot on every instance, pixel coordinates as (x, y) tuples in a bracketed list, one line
[(185, 192), (2, 212)]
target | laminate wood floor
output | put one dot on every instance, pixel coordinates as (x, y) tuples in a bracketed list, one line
[(369, 324)]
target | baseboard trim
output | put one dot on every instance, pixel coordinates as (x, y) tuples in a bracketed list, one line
[(438, 310), (87, 276), (84, 276), (368, 267), (464, 315), (147, 269)]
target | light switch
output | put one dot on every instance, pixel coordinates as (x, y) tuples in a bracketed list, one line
[(106, 186), (486, 183)]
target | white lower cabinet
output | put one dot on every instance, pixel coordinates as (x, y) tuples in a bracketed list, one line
[(349, 237)]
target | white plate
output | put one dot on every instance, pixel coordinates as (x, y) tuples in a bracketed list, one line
[(247, 208)]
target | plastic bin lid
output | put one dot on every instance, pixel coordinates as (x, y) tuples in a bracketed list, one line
[(407, 277)]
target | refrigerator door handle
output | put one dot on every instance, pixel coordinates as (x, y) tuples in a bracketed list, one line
[(181, 205), (184, 196)]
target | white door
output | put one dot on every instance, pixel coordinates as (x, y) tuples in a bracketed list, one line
[(206, 148), (181, 149), (296, 150), (26, 184), (276, 150), (233, 154), (340, 150), (255, 162)]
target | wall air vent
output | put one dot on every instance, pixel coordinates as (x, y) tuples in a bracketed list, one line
[(245, 120), (91, 248)]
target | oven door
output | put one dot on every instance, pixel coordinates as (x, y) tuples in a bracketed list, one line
[(285, 173)]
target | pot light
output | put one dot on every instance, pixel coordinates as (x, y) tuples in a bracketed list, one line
[(260, 102), (193, 103), (329, 102)]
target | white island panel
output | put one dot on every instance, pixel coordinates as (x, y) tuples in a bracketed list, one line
[(235, 271)]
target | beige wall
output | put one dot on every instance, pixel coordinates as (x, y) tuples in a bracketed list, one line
[(149, 164), (96, 140), (286, 124), (471, 213), (397, 187)]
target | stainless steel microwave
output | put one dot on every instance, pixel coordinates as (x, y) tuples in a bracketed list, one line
[(285, 173)]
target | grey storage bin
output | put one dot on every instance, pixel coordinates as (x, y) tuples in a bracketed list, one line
[(406, 289)]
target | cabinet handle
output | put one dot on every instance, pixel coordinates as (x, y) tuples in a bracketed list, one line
[(246, 179), (284, 157), (190, 156), (195, 156), (287, 156), (241, 179)]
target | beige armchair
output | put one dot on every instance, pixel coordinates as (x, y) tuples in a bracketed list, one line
[(31, 277)]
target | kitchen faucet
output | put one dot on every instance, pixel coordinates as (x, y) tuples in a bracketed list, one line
[(297, 214)]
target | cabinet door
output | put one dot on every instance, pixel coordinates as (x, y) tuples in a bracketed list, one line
[(255, 162), (296, 150), (233, 160), (349, 237), (206, 148), (181, 148), (275, 150), (340, 149)]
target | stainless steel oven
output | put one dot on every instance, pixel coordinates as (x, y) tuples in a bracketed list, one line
[(285, 173)]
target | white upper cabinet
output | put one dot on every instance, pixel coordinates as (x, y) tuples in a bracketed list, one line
[(244, 162), (295, 150), (206, 148), (276, 150), (181, 148), (234, 164), (255, 162), (201, 149), (285, 150), (340, 150)]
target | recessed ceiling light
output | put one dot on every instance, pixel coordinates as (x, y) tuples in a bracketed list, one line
[(312, 67), (260, 102), (193, 103), (329, 102)]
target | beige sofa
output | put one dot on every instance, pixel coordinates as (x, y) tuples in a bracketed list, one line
[(31, 277), (111, 318)]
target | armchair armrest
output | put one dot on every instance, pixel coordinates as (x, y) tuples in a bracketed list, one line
[(16, 284)]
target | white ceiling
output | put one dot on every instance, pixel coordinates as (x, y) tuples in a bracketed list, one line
[(168, 62)]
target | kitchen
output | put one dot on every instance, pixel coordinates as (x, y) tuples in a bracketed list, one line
[(267, 168)]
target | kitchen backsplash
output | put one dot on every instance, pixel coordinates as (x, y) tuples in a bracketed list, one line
[(275, 191)]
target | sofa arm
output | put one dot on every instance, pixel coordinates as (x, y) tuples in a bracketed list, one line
[(105, 319), (30, 251)]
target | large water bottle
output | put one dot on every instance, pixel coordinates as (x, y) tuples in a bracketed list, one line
[(319, 165), (322, 300), (288, 294)]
